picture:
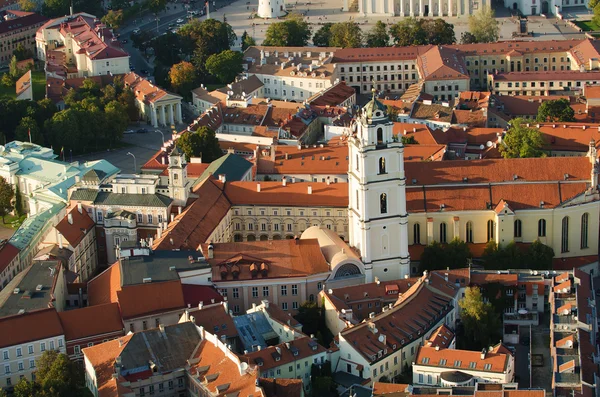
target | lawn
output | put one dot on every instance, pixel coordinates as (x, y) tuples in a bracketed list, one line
[(39, 87), (12, 221), (587, 26)]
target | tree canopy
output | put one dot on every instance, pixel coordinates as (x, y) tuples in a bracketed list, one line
[(484, 26), (114, 19), (377, 36), (345, 35), (322, 36), (440, 256), (522, 141), (247, 41), (6, 195), (225, 65), (537, 256), (412, 31), (182, 76), (481, 324), (556, 110), (293, 32), (202, 143)]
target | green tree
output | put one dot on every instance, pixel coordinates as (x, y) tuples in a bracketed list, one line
[(438, 256), (13, 68), (182, 76), (484, 25), (539, 256), (309, 315), (392, 112), (556, 110), (225, 65), (202, 143), (468, 38), (127, 99), (27, 5), (203, 39), (409, 140), (117, 120), (293, 32), (522, 141), (247, 41), (346, 35), (408, 32), (481, 323), (114, 19), (323, 35), (22, 53), (437, 31), (156, 6), (6, 195), (19, 210), (506, 257), (596, 17), (26, 125), (377, 36)]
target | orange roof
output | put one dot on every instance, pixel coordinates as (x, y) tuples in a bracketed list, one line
[(290, 160), (282, 354), (486, 278), (216, 320), (564, 342), (102, 358), (276, 387), (91, 321), (281, 258), (8, 252), (151, 298), (332, 96), (565, 285), (461, 359), (562, 277), (103, 288), (278, 314), (570, 136), (216, 367), (198, 220), (441, 337), (380, 389), (294, 194), (29, 327), (23, 82), (144, 90), (420, 132), (573, 262), (424, 152), (73, 232)]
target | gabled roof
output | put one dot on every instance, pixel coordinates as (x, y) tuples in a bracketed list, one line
[(8, 252), (231, 165), (216, 320), (293, 194), (102, 357), (29, 327), (462, 359), (284, 353), (74, 232), (91, 321)]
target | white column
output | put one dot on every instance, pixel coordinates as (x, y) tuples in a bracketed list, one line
[(163, 119), (153, 118), (449, 8), (430, 8), (345, 6), (179, 118), (402, 8), (421, 8), (412, 8), (172, 114)]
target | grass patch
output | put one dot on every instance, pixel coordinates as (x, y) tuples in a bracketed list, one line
[(7, 91), (39, 84), (12, 221), (587, 26), (212, 87)]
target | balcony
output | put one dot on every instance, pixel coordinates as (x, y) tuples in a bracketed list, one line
[(529, 318)]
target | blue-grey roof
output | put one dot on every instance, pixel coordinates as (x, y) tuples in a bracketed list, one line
[(254, 330), (231, 165), (33, 225), (121, 199), (159, 266)]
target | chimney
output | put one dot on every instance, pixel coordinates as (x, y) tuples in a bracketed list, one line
[(211, 251), (309, 189), (222, 178), (437, 347), (172, 217), (483, 353), (272, 152), (200, 305), (70, 218), (79, 208), (328, 180), (258, 187), (179, 210), (446, 277), (60, 242), (284, 181)]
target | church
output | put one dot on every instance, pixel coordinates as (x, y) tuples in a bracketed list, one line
[(417, 8)]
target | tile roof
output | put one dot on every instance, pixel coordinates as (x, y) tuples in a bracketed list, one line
[(91, 321), (278, 314), (461, 359), (202, 94), (424, 152), (27, 21), (281, 258), (8, 252), (573, 262), (274, 387), (231, 165), (507, 280), (217, 366), (433, 112), (194, 294), (74, 232), (23, 83), (381, 389), (558, 75), (332, 96), (569, 136), (239, 88), (421, 132), (278, 62), (197, 221), (29, 327), (144, 90), (289, 160), (441, 337), (102, 358), (294, 194), (121, 199), (216, 320), (442, 63), (383, 54), (284, 353)]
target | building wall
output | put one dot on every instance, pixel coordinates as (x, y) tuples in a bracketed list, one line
[(546, 87), (422, 374), (9, 272), (294, 88), (334, 178), (390, 76), (9, 41), (74, 347), (14, 366), (141, 323), (299, 369)]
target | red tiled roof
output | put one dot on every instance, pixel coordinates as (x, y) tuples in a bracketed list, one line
[(8, 252), (194, 294), (29, 327), (267, 357), (441, 337), (573, 262), (275, 387), (333, 96), (151, 298), (294, 194), (73, 232), (381, 389), (24, 22), (461, 359), (102, 358), (216, 320), (91, 321)]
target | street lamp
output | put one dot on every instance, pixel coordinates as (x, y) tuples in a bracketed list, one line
[(134, 165), (163, 136)]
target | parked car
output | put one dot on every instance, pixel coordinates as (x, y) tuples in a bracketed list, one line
[(180, 20), (141, 131), (132, 68), (136, 31), (127, 132)]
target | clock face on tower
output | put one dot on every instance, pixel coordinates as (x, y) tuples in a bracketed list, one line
[(174, 162)]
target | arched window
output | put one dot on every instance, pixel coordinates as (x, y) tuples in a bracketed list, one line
[(518, 228), (443, 238), (469, 235), (383, 203), (379, 135), (491, 228), (564, 238), (584, 230), (382, 165), (417, 233), (542, 228)]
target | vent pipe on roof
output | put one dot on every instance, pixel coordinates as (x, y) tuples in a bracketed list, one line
[(258, 187), (79, 208), (284, 181), (309, 189)]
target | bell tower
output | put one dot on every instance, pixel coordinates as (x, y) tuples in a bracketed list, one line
[(177, 177), (377, 195)]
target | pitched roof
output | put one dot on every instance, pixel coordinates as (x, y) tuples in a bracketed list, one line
[(290, 160), (293, 194), (76, 230), (91, 321), (441, 337), (461, 359), (284, 353), (442, 63), (197, 221), (29, 327), (216, 320), (102, 357), (194, 294), (573, 75), (281, 258), (144, 90), (231, 165), (22, 22), (121, 199), (332, 96), (8, 252), (397, 389), (274, 387)]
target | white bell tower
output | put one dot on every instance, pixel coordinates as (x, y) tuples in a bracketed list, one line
[(178, 190), (377, 195)]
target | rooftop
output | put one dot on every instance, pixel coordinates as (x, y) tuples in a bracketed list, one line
[(161, 265), (215, 319), (462, 359), (75, 226), (91, 321), (283, 353), (30, 326), (254, 331)]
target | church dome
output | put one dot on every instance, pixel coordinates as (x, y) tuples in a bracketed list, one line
[(373, 106)]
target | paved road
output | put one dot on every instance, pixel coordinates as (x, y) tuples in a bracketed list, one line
[(143, 146)]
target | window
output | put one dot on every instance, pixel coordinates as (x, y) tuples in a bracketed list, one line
[(294, 289), (43, 346), (284, 305), (469, 232), (160, 218), (295, 305), (542, 228), (77, 349), (5, 354), (99, 216), (319, 286), (443, 238), (51, 345), (236, 293), (144, 325), (417, 233), (383, 203), (170, 385), (491, 227), (224, 291), (31, 363), (284, 290), (518, 228), (357, 201), (564, 244), (30, 349), (151, 387), (382, 165), (140, 218), (265, 291), (21, 366), (255, 292), (19, 352), (584, 230), (149, 218)]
